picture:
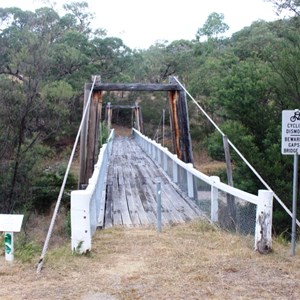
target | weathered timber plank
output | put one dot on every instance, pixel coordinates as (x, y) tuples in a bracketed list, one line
[(187, 206), (133, 176), (168, 215), (167, 202), (108, 208), (138, 202), (132, 208), (150, 178), (136, 211), (144, 195), (179, 210), (116, 208), (151, 87), (153, 175), (123, 199), (101, 216)]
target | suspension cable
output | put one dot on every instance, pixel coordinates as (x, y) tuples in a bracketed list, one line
[(50, 230), (238, 152)]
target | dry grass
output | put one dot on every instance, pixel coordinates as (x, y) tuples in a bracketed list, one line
[(190, 261)]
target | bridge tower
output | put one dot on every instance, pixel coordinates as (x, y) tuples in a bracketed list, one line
[(89, 139)]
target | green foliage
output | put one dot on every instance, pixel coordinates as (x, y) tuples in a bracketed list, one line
[(26, 251), (47, 186), (244, 141), (67, 225), (291, 6), (105, 132), (213, 26), (238, 134), (281, 224)]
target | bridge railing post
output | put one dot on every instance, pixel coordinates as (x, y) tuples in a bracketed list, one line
[(149, 149), (263, 227), (165, 161), (81, 235), (175, 169), (214, 212), (159, 154), (190, 181), (153, 151)]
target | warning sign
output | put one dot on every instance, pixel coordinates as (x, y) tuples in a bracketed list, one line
[(290, 142)]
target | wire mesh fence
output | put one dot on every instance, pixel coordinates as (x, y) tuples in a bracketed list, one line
[(182, 179), (202, 195), (236, 214)]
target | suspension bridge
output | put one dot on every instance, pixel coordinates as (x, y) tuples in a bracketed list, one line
[(121, 181)]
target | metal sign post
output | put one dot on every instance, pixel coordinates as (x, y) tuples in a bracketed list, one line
[(290, 145), (295, 192)]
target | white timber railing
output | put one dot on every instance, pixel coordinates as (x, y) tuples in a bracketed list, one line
[(87, 206), (227, 205)]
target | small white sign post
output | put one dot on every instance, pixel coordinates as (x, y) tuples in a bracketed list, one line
[(290, 144), (10, 224)]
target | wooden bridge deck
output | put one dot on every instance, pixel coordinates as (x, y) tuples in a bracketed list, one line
[(131, 190)]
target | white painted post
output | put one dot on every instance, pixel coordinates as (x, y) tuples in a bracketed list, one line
[(214, 216), (175, 170), (150, 149), (263, 228), (165, 161), (9, 246), (159, 154), (81, 235), (153, 152), (190, 181)]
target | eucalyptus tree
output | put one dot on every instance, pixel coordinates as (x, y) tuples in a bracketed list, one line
[(24, 63), (213, 27), (44, 61), (292, 6), (246, 84)]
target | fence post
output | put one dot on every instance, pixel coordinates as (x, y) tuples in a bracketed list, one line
[(159, 160), (81, 235), (150, 149), (175, 170), (165, 161), (190, 181), (263, 227), (153, 151), (214, 200)]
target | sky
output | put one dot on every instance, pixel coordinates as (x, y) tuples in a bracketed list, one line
[(142, 23)]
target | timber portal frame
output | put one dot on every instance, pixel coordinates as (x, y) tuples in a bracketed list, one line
[(89, 139)]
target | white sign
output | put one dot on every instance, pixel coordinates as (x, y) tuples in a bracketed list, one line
[(290, 139), (11, 223)]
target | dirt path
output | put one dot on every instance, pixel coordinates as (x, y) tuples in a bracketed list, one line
[(191, 261)]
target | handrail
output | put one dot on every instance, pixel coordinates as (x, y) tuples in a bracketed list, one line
[(209, 180), (87, 206), (263, 201)]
